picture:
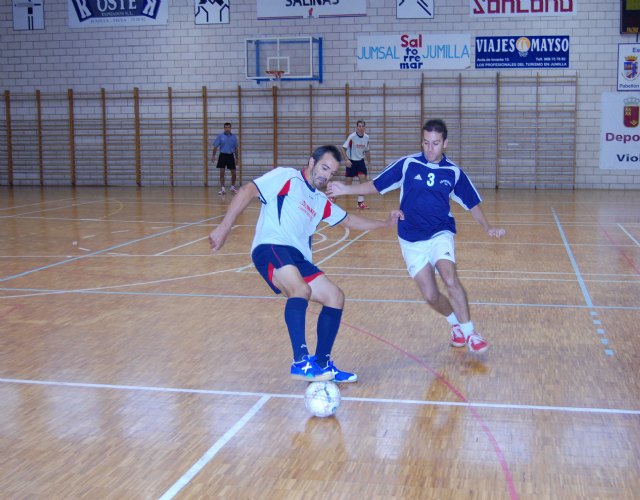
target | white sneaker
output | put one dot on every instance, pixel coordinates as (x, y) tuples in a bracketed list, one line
[(233, 189), (222, 191)]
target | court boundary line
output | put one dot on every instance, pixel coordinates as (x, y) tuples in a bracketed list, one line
[(195, 469), (417, 402), (40, 292), (108, 249)]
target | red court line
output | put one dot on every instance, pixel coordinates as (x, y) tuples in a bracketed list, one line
[(624, 255), (474, 412)]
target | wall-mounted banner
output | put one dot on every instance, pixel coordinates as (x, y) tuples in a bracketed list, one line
[(628, 77), (28, 15), (411, 52), (510, 8), (302, 9), (522, 52), (116, 13), (414, 9), (212, 11), (619, 131)]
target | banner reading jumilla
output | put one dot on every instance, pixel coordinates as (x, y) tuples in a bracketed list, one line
[(411, 52), (111, 13)]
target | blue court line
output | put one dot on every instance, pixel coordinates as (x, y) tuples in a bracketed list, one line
[(576, 270), (98, 252)]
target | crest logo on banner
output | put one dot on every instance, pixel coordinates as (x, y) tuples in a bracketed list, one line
[(630, 67), (212, 11), (631, 112)]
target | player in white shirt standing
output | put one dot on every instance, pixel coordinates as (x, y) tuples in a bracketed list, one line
[(292, 208), (356, 150)]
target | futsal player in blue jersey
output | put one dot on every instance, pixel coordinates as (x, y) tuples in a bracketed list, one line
[(292, 208), (427, 181)]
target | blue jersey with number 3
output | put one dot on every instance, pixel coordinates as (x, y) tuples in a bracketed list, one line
[(425, 191)]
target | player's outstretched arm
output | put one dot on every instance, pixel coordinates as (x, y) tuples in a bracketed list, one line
[(478, 215), (335, 188), (240, 201), (365, 224)]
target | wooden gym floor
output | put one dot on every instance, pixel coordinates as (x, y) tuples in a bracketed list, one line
[(134, 364)]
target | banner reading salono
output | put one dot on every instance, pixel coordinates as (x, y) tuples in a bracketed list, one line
[(304, 9), (115, 13), (526, 8), (413, 52)]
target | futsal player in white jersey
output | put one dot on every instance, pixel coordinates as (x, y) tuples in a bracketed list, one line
[(292, 208), (427, 181), (356, 150)]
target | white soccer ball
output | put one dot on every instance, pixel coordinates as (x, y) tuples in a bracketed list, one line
[(322, 399)]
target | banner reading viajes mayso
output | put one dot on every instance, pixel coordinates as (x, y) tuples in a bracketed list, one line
[(510, 8), (114, 13), (413, 52), (620, 131)]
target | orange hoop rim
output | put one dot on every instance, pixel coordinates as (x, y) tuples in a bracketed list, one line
[(275, 73)]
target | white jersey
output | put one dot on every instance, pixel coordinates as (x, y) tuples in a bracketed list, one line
[(291, 210), (356, 146)]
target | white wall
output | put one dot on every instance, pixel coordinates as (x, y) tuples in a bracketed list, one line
[(186, 56)]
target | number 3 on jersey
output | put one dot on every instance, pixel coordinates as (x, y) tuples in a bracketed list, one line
[(431, 179)]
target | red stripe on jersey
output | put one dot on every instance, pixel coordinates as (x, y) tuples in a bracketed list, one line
[(327, 210), (285, 189)]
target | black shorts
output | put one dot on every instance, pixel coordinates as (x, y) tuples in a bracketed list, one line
[(358, 167), (226, 160), (267, 258)]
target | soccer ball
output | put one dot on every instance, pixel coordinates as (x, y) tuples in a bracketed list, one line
[(322, 398)]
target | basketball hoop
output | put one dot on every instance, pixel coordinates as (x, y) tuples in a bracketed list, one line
[(275, 74)]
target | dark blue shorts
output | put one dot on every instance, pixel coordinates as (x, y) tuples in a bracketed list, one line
[(267, 258), (358, 167)]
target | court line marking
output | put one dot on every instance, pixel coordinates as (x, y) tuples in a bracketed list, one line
[(180, 246), (349, 243), (37, 203), (73, 205), (574, 264), (33, 292), (418, 402), (629, 234), (98, 252), (212, 452)]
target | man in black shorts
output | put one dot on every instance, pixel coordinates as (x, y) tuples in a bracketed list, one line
[(228, 145)]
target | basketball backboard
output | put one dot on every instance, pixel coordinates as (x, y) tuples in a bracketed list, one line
[(296, 58)]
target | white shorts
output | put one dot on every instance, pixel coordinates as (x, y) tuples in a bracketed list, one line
[(418, 254)]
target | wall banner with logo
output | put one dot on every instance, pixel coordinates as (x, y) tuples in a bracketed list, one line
[(628, 76), (619, 131), (305, 9), (413, 52), (511, 8), (522, 52), (115, 13)]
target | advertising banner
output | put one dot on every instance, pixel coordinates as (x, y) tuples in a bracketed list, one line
[(628, 54), (619, 131), (303, 9), (413, 52), (522, 52), (115, 13), (522, 8)]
